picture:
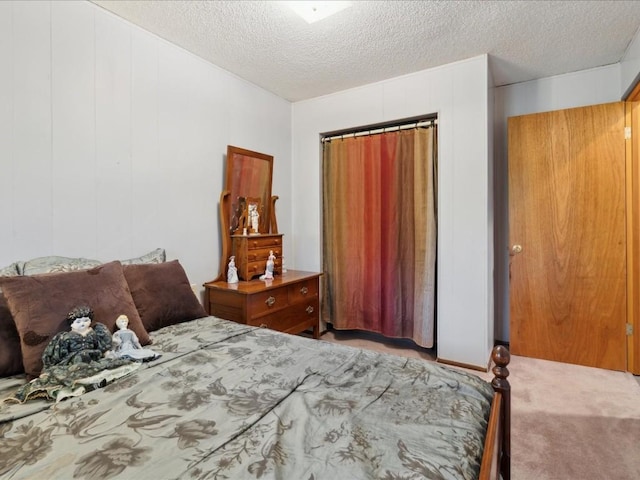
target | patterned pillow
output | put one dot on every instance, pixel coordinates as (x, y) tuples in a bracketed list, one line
[(39, 305), (162, 294), (55, 264), (156, 256), (10, 271)]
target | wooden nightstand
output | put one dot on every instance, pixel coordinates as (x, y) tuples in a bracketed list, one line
[(289, 303)]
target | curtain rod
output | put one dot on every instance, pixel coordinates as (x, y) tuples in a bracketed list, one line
[(378, 130)]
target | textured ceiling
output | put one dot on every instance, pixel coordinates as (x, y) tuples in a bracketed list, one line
[(268, 45)]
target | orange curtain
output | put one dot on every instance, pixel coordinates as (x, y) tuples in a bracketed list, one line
[(379, 224)]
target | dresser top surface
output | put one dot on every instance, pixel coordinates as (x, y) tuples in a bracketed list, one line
[(257, 285)]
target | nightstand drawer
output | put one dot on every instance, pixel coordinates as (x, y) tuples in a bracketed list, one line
[(303, 290), (268, 301), (296, 318), (254, 269), (271, 241), (262, 254)]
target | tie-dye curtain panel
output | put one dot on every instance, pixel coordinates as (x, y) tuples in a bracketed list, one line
[(379, 223)]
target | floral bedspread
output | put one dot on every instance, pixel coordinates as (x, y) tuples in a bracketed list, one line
[(227, 401)]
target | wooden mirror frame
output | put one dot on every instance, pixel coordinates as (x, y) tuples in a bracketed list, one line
[(248, 180)]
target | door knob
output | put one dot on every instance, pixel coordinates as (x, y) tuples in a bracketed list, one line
[(516, 249)]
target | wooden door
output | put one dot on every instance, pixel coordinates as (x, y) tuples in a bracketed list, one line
[(567, 220)]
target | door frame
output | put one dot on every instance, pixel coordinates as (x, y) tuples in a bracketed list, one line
[(633, 228)]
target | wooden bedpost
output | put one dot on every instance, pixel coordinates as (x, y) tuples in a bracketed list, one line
[(501, 358)]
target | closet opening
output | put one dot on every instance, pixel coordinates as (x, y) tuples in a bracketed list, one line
[(379, 215)]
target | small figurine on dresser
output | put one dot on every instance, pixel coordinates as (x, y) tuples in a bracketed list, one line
[(271, 262), (232, 270), (127, 345)]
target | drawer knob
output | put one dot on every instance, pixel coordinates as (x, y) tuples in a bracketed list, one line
[(304, 290), (270, 301), (309, 310)]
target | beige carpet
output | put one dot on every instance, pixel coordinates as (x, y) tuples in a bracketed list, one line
[(568, 422)]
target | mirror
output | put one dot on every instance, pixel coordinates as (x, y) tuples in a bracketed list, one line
[(248, 176), (246, 214), (246, 201)]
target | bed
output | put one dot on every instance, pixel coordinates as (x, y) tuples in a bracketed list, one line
[(230, 401)]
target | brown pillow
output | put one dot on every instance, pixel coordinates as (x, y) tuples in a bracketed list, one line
[(162, 294), (40, 304), (10, 354)]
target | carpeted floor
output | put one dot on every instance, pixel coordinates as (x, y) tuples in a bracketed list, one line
[(568, 421)]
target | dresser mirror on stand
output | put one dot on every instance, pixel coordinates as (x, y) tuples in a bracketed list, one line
[(288, 302), (247, 214)]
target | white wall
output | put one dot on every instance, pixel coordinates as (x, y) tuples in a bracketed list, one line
[(630, 66), (579, 89), (458, 93), (113, 141)]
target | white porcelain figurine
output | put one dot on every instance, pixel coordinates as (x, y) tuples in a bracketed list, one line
[(271, 262), (232, 270), (254, 217)]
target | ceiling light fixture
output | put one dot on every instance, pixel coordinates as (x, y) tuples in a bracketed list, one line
[(312, 11)]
